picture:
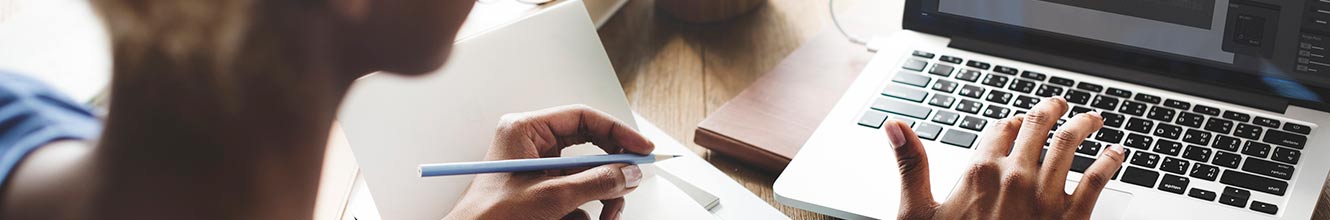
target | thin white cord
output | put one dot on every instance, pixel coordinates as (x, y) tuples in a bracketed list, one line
[(831, 6)]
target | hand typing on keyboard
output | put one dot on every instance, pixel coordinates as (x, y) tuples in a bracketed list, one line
[(1007, 179)]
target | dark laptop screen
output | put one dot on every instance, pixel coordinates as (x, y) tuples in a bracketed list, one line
[(1277, 46)]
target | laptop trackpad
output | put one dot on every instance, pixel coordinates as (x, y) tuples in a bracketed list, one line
[(1112, 204)]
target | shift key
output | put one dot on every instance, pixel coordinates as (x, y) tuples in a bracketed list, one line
[(905, 92), (1254, 182), (900, 107)]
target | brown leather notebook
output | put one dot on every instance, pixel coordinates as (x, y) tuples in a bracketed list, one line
[(765, 125)]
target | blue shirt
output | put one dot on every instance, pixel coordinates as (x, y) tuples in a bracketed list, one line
[(33, 114)]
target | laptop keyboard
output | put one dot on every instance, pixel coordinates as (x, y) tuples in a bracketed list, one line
[(1170, 142)]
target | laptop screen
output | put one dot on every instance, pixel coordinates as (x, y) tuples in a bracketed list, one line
[(1282, 43)]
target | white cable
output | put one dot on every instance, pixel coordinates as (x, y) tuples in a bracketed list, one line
[(831, 6)]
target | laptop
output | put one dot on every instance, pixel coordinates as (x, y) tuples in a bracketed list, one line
[(1218, 103)]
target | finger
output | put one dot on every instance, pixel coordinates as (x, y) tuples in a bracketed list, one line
[(1060, 153), (577, 214), (569, 125), (599, 183), (998, 140), (1035, 127), (1097, 176), (913, 163), (612, 209)]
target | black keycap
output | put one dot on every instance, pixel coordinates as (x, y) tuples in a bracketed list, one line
[(969, 106), (1268, 122), (971, 91), (1147, 98), (1174, 184), (1237, 116), (995, 80), (1197, 153), (1218, 125), (1033, 75), (1197, 137), (905, 92), (901, 107), (1190, 120), (1118, 92), (1161, 113), (1285, 138), (873, 119), (1177, 104), (946, 86), (1138, 141), (978, 64), (1227, 159), (1286, 155), (1081, 163), (1271, 169), (1105, 102), (968, 75), (1266, 208), (999, 97), (1202, 194), (911, 79), (1248, 131), (946, 117), (1078, 97), (1076, 110), (1141, 177), (1089, 148), (959, 138), (1205, 109), (1108, 135), (973, 123), (943, 70), (923, 54), (1166, 147), (1145, 159), (1227, 143), (950, 59), (927, 131), (1025, 102), (1061, 81), (1203, 171), (996, 112), (1174, 165), (1254, 182), (1004, 69), (941, 100), (1256, 149), (1090, 86), (1297, 128), (1047, 90), (1168, 131), (1139, 125), (1112, 120), (1133, 108), (1235, 197), (1023, 86), (913, 64)]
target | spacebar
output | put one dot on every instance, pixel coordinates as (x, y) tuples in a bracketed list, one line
[(901, 107), (1254, 182)]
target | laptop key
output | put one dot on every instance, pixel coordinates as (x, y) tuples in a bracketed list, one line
[(873, 119), (1112, 120), (1256, 149), (968, 75), (911, 79), (1297, 128), (996, 112), (1218, 125), (1141, 177), (971, 91), (1139, 125), (1190, 120), (969, 106), (1253, 182), (1202, 194), (1118, 92), (1267, 168), (1227, 143), (946, 86), (1205, 109), (1078, 97), (1090, 86), (1145, 159), (909, 122), (901, 107), (913, 64), (1025, 102), (1168, 131), (1138, 141), (978, 64), (943, 70), (1235, 197), (1196, 137), (995, 80), (1023, 86), (1033, 75), (1004, 69), (1248, 131), (1262, 207), (999, 97), (905, 92), (973, 123), (1237, 116), (923, 54), (1175, 165), (1177, 104), (1174, 184), (1081, 163), (1061, 81), (946, 117), (1105, 102), (1076, 110), (1227, 159), (1108, 135), (1132, 108), (927, 131), (959, 138), (1147, 98), (1268, 122), (1285, 138), (1196, 153), (1286, 155), (1047, 90), (1167, 147), (950, 59), (943, 101), (1089, 148), (1203, 171), (1161, 113)]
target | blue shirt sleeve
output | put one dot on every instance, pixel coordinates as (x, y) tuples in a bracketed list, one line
[(33, 114)]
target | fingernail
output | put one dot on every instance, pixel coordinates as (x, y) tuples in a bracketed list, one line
[(632, 175), (1117, 148), (895, 134), (1096, 114)]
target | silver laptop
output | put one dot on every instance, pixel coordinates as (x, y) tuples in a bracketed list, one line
[(1218, 103)]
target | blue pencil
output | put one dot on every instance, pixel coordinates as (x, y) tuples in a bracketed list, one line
[(523, 165)]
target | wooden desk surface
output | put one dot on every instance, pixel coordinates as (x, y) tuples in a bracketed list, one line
[(677, 73)]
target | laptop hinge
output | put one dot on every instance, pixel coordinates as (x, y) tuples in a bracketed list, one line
[(1249, 99)]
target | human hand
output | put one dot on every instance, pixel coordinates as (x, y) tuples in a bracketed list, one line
[(554, 194), (1006, 180)]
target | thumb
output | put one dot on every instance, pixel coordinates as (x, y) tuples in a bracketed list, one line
[(913, 163), (598, 183)]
